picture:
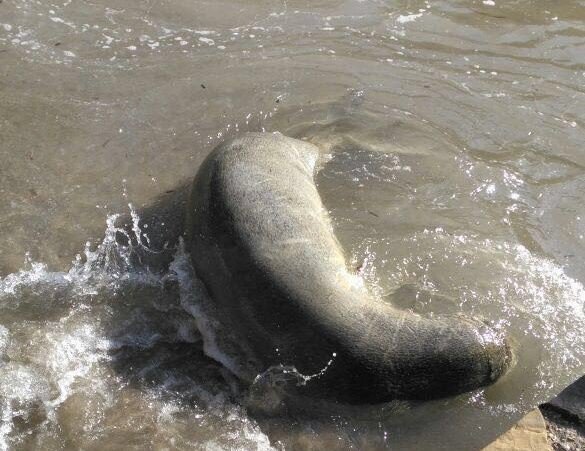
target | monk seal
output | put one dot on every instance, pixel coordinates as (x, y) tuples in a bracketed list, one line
[(263, 245)]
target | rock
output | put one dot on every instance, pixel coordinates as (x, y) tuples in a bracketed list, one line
[(572, 400), (565, 434), (529, 434)]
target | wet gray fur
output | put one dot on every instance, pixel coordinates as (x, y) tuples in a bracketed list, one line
[(263, 244)]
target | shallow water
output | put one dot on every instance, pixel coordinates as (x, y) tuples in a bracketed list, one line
[(456, 185)]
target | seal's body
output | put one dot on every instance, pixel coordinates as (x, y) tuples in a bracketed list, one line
[(263, 245)]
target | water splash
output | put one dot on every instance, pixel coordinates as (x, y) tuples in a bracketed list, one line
[(76, 334)]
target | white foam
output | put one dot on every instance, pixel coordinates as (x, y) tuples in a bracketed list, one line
[(4, 340), (193, 296), (408, 18), (207, 41)]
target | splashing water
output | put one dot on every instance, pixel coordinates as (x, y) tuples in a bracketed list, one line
[(89, 323)]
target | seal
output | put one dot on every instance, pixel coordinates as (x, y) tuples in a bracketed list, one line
[(262, 242)]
